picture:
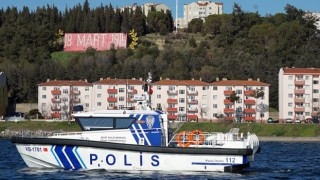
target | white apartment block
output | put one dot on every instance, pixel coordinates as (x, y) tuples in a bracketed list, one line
[(146, 8), (247, 108), (299, 96), (200, 9), (56, 98), (182, 100)]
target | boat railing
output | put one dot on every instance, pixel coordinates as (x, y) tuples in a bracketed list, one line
[(67, 134), (191, 139)]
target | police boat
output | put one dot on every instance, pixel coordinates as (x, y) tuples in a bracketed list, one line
[(137, 140)]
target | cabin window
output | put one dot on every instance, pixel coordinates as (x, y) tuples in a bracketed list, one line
[(123, 122), (103, 123)]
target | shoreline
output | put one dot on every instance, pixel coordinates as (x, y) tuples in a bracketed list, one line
[(288, 139)]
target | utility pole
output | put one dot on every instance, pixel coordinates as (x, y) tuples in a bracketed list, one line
[(176, 16)]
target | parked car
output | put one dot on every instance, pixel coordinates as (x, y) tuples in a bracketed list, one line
[(297, 121), (288, 120), (270, 120)]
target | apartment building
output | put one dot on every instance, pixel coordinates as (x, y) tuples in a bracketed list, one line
[(146, 8), (247, 108), (57, 98), (299, 96), (200, 9), (116, 93), (182, 100)]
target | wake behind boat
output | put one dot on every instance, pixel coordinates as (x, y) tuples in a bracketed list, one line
[(127, 139)]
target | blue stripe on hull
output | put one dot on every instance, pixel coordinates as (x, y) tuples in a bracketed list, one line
[(62, 157), (72, 157)]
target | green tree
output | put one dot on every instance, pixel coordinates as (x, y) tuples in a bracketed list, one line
[(195, 25)]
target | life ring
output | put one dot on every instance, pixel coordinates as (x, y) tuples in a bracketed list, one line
[(182, 142), (199, 140)]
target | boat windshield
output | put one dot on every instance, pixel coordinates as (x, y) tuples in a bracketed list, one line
[(104, 123)]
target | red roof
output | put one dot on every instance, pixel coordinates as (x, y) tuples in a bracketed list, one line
[(181, 82), (239, 83), (301, 71), (65, 83), (120, 81)]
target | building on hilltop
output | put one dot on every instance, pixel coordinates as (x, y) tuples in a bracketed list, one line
[(200, 9), (147, 7), (299, 96)]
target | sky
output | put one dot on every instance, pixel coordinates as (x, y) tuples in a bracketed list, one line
[(263, 7)]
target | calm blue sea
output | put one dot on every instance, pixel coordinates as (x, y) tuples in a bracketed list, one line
[(277, 160)]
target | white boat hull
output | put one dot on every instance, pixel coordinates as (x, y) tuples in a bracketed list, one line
[(79, 157)]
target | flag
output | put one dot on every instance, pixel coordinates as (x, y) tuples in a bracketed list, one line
[(150, 90)]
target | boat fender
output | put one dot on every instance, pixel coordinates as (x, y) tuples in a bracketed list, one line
[(195, 133), (181, 139)]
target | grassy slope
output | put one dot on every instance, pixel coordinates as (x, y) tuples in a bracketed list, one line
[(38, 125)]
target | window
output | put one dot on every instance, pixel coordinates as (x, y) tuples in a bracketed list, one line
[(181, 100), (290, 77), (307, 86), (65, 91), (262, 88), (239, 101), (315, 100), (290, 86), (307, 77), (290, 113), (307, 95), (307, 104), (262, 115), (316, 91), (44, 96), (228, 88), (204, 96), (215, 105), (192, 88), (99, 86), (87, 105), (172, 88), (121, 98), (158, 87), (181, 91), (98, 95), (121, 90), (86, 88), (214, 88), (123, 122), (44, 88), (307, 113), (215, 97), (98, 103), (239, 91), (290, 104), (158, 96), (205, 87), (181, 109), (315, 82), (86, 96), (290, 95)]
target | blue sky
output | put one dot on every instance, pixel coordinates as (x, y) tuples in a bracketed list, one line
[(262, 6)]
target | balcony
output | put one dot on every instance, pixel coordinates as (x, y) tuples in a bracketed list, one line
[(299, 109), (248, 92), (112, 91), (75, 100), (54, 100), (56, 92), (194, 110), (228, 110), (192, 116), (299, 100), (130, 100), (112, 99), (74, 92), (299, 91), (172, 109), (192, 101), (227, 101), (250, 111), (55, 115), (299, 82), (172, 92), (56, 108), (249, 118), (172, 101), (228, 118), (192, 92), (228, 92), (172, 117), (132, 91), (249, 101)]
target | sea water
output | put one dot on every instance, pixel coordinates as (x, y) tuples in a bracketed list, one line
[(277, 160)]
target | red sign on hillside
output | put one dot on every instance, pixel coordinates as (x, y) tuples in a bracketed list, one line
[(98, 41)]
